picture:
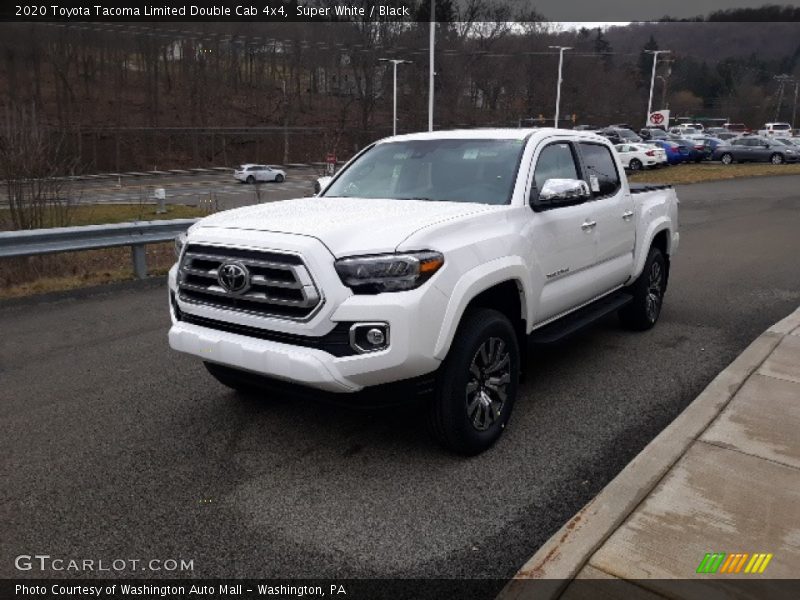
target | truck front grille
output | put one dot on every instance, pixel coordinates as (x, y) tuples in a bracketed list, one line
[(247, 280)]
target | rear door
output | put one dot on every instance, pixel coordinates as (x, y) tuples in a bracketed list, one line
[(560, 237), (613, 212)]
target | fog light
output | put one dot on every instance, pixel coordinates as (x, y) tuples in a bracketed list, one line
[(369, 337), (375, 337)]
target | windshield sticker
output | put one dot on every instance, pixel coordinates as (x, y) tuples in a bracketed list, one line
[(594, 183), (471, 154)]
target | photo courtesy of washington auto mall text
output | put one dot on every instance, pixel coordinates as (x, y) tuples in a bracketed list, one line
[(399, 299)]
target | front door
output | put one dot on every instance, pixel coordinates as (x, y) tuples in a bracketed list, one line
[(561, 237)]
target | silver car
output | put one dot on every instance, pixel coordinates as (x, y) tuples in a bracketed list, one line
[(755, 149)]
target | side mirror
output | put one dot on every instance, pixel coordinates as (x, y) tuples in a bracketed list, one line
[(563, 191)]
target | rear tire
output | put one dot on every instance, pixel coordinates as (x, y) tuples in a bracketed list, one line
[(635, 164), (477, 384), (726, 159), (233, 378), (776, 159), (251, 179), (648, 294)]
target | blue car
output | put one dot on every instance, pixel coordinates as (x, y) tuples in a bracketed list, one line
[(676, 153), (697, 150)]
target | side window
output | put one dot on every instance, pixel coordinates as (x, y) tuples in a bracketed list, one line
[(556, 161), (601, 170)]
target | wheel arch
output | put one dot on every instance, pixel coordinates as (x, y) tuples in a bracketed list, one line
[(502, 287), (659, 237)]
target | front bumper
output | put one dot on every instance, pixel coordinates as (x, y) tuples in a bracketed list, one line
[(414, 318)]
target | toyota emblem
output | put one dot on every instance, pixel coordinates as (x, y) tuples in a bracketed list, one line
[(234, 277)]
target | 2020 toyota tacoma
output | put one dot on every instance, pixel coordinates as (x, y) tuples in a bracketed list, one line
[(430, 257)]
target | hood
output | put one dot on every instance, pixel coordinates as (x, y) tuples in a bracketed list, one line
[(347, 226)]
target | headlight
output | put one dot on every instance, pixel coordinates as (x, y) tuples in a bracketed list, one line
[(180, 241), (388, 272)]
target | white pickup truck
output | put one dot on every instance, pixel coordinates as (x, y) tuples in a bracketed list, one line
[(427, 263)]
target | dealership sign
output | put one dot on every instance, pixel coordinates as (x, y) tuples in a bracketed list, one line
[(659, 118)]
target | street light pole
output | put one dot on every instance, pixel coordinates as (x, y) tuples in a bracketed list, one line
[(394, 62), (655, 54), (430, 65), (558, 86), (794, 108)]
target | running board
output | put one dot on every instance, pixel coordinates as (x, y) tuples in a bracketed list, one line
[(573, 322)]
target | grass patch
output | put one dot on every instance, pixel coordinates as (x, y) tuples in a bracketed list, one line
[(697, 173), (31, 275)]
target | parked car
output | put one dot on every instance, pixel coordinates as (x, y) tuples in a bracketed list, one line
[(715, 131), (618, 135), (683, 130), (676, 153), (726, 135), (780, 129), (697, 149), (639, 156), (426, 265), (738, 128), (251, 173), (789, 141), (652, 133), (755, 149)]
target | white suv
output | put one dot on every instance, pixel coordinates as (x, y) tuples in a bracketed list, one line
[(251, 173)]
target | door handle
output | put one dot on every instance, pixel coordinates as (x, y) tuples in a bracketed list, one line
[(627, 215), (588, 225)]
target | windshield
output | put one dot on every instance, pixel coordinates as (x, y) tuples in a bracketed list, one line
[(446, 170)]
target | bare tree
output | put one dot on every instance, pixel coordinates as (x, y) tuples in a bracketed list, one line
[(31, 166)]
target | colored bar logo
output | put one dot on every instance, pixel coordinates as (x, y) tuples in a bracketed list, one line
[(722, 563)]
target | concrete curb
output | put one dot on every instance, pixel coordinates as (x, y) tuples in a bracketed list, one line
[(569, 550)]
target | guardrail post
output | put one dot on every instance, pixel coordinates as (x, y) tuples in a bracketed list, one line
[(160, 195), (139, 261)]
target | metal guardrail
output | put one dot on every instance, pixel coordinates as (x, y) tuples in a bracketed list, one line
[(136, 234)]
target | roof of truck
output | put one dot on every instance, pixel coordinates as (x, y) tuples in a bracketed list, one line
[(509, 133)]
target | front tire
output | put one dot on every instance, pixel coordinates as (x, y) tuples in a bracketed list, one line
[(648, 294), (279, 178), (477, 384)]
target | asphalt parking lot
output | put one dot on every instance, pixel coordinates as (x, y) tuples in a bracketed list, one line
[(189, 189), (115, 446)]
